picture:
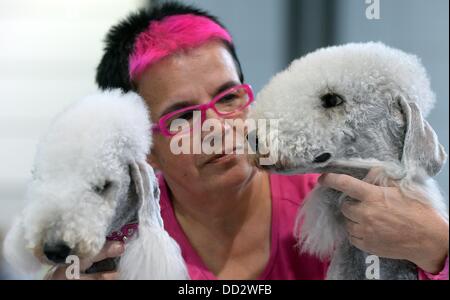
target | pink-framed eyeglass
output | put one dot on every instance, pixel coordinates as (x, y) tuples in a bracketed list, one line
[(225, 104)]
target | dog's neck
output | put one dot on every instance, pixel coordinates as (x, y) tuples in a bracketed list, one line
[(121, 220)]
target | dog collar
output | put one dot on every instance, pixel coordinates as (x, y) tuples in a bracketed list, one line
[(124, 233)]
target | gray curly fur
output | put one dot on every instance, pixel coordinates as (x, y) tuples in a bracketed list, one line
[(380, 123)]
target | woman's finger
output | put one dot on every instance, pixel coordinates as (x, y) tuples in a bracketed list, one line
[(358, 242), (351, 209), (109, 250), (376, 177), (100, 276), (353, 228), (355, 188)]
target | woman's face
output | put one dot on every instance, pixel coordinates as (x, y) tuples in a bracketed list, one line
[(190, 78)]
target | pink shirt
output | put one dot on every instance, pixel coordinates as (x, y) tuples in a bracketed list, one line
[(285, 262)]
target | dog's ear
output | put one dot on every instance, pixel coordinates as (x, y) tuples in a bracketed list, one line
[(421, 149), (147, 191), (16, 252), (153, 254)]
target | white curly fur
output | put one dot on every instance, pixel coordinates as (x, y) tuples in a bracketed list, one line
[(99, 139)]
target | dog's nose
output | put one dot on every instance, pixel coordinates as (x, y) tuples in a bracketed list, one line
[(57, 253), (322, 158), (252, 139)]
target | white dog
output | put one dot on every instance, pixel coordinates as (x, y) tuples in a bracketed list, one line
[(347, 109), (90, 179)]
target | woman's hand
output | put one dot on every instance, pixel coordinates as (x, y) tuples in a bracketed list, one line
[(386, 223), (109, 250)]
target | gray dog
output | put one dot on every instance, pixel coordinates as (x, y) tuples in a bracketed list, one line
[(348, 109)]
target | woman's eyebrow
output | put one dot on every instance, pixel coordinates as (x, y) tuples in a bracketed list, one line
[(186, 103), (226, 86), (176, 106)]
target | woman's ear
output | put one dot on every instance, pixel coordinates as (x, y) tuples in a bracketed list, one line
[(421, 148)]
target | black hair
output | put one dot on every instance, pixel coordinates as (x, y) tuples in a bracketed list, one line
[(112, 71)]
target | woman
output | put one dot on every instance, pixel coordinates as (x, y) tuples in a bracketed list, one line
[(231, 220)]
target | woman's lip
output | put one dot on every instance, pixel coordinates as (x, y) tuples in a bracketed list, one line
[(220, 157)]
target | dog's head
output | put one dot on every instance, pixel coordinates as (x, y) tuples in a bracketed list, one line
[(351, 103), (84, 181)]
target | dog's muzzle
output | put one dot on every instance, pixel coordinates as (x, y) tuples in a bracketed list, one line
[(57, 253)]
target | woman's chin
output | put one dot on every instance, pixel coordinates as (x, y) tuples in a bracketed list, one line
[(229, 170)]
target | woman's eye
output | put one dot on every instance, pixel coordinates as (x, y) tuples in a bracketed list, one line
[(228, 98), (185, 116), (331, 100)]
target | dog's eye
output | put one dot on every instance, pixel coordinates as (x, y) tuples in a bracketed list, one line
[(331, 100), (100, 189)]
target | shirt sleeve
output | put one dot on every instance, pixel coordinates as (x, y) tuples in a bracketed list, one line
[(443, 275)]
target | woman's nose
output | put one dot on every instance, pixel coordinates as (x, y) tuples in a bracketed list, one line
[(216, 120), (211, 114), (220, 124)]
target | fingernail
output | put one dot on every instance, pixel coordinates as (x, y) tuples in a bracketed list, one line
[(118, 248), (321, 178)]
